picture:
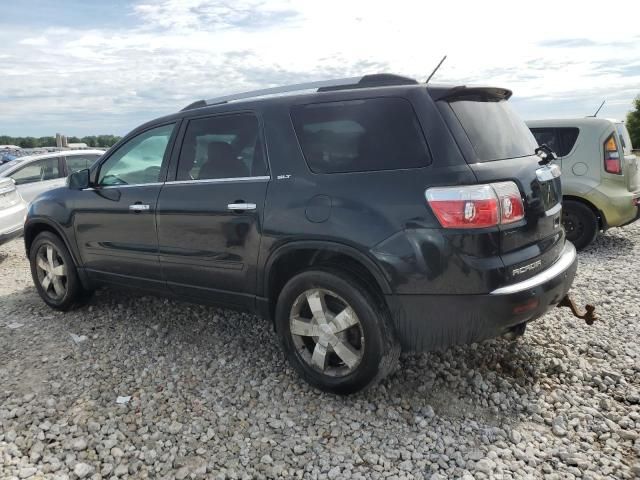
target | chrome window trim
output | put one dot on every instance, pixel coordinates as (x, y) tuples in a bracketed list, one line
[(127, 185), (558, 268), (262, 178)]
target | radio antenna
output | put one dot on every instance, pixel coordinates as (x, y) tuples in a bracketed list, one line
[(436, 69), (601, 105)]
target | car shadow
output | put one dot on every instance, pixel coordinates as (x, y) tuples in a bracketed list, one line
[(454, 383)]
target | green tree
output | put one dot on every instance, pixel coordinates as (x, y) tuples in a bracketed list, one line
[(633, 123), (28, 142)]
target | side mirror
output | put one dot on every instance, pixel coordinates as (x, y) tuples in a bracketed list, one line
[(79, 180)]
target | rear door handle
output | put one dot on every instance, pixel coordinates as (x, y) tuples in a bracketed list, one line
[(241, 206), (138, 207)]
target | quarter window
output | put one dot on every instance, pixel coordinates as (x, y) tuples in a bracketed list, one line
[(38, 171), (561, 140), (224, 146), (546, 136), (139, 160), (360, 135), (568, 137)]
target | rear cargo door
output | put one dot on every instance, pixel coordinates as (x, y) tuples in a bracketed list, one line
[(631, 163), (499, 147)]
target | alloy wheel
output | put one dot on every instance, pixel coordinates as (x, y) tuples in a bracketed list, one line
[(51, 271), (326, 332)]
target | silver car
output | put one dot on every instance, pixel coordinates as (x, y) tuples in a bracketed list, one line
[(35, 174), (13, 210)]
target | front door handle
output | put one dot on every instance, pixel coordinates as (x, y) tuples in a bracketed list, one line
[(138, 207), (241, 206)]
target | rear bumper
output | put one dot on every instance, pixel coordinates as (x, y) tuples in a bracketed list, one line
[(429, 322), (617, 205)]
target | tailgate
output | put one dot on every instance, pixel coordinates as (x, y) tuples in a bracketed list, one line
[(499, 147), (535, 243)]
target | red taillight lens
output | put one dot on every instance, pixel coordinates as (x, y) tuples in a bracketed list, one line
[(476, 206), (612, 163)]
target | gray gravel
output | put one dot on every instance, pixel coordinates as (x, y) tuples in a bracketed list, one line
[(212, 397)]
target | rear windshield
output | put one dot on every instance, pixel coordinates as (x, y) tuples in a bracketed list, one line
[(625, 139), (360, 135), (494, 129)]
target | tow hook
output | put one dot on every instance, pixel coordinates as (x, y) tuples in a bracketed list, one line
[(589, 316)]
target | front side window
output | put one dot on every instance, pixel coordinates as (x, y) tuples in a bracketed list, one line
[(38, 171), (139, 160), (224, 146), (360, 135), (80, 162)]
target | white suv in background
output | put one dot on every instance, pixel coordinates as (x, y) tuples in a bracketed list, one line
[(35, 174)]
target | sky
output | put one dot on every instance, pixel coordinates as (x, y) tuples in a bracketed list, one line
[(87, 67)]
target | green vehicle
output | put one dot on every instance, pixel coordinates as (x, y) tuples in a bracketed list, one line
[(600, 177)]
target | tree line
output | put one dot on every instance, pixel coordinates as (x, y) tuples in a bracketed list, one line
[(38, 142), (633, 123)]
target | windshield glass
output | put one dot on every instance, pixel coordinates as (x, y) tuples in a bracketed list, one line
[(8, 165), (494, 129), (625, 139)]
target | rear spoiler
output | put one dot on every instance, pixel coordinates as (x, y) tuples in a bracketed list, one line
[(462, 91)]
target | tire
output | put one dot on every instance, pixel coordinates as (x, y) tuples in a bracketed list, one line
[(354, 345), (49, 258), (580, 223)]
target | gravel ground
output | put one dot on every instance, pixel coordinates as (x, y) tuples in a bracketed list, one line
[(212, 397)]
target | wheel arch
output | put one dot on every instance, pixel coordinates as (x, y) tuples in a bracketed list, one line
[(602, 221), (292, 258), (36, 226)]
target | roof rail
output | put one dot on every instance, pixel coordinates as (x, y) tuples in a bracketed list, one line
[(377, 80)]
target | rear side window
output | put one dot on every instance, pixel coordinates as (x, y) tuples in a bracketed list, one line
[(38, 171), (548, 137), (223, 146), (560, 140), (494, 129), (360, 135), (568, 137)]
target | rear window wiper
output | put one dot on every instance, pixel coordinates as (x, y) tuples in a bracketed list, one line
[(546, 154)]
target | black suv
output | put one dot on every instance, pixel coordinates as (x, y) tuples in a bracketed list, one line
[(368, 217)]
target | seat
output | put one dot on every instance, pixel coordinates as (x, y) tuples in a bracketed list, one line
[(222, 163)]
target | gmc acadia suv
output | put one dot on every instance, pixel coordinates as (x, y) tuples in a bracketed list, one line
[(365, 217)]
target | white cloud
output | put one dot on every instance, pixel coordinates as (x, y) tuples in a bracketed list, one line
[(557, 58)]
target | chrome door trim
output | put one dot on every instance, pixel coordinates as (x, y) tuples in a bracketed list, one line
[(264, 178)]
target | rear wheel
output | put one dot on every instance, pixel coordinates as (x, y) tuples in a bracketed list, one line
[(335, 333), (54, 273), (580, 223)]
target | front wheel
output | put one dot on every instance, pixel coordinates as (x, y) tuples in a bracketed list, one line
[(335, 332), (580, 223), (54, 273)]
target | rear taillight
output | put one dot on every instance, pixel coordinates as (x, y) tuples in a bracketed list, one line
[(476, 206), (612, 163)]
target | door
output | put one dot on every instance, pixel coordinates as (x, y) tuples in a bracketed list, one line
[(39, 176), (114, 221), (210, 215)]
